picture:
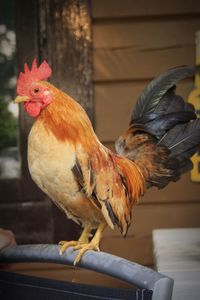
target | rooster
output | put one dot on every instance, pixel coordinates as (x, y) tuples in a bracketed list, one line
[(92, 185)]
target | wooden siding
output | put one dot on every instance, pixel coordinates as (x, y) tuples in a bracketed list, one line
[(132, 43), (136, 8)]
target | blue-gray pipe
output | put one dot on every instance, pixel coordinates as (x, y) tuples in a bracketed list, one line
[(101, 262)]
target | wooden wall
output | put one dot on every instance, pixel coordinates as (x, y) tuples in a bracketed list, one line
[(133, 42)]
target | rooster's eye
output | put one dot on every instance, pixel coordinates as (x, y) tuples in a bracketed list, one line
[(36, 90)]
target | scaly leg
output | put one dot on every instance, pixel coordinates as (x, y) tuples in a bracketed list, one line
[(84, 239), (92, 245)]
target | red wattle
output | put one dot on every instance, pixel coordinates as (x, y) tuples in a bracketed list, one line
[(33, 108)]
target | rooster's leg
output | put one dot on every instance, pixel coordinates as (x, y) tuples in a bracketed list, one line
[(84, 239), (92, 245)]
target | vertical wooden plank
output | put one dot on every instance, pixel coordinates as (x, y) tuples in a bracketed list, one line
[(26, 23), (69, 48)]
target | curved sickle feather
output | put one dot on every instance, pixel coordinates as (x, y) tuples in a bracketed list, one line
[(153, 92)]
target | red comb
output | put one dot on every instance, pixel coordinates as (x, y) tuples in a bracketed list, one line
[(35, 74)]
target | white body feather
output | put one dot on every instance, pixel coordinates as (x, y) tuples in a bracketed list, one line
[(50, 164)]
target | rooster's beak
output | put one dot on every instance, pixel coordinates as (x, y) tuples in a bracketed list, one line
[(20, 99)]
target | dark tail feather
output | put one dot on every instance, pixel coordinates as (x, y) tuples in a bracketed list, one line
[(164, 132), (170, 111), (149, 101), (158, 109), (183, 140)]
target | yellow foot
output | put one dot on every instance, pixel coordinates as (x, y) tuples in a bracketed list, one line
[(84, 248), (83, 243), (84, 239), (66, 244)]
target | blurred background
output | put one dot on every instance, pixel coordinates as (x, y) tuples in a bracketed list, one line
[(103, 53)]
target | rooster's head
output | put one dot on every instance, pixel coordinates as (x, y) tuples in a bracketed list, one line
[(31, 89)]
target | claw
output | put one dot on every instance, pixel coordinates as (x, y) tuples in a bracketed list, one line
[(65, 245), (84, 248)]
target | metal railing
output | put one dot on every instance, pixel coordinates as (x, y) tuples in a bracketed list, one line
[(101, 262)]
